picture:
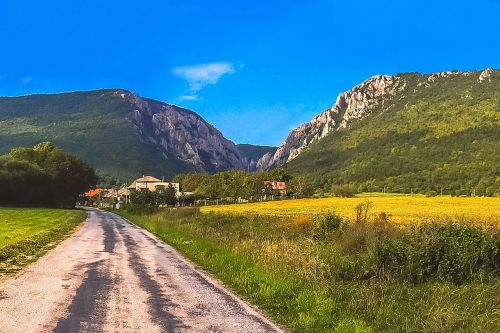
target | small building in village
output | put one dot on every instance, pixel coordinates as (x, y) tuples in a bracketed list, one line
[(276, 186), (152, 184), (116, 197)]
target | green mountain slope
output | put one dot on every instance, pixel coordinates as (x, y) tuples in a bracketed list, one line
[(119, 133), (437, 133)]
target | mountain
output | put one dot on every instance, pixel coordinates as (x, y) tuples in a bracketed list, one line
[(251, 154), (405, 132), (118, 132)]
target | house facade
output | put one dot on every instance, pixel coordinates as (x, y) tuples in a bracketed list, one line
[(152, 184)]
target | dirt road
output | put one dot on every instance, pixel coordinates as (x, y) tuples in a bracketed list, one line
[(112, 276)]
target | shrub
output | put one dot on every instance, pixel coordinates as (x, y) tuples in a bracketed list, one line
[(362, 211), (142, 202), (346, 190), (326, 224), (444, 252), (382, 218)]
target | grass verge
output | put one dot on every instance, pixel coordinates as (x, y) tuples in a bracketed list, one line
[(331, 283), (28, 233)]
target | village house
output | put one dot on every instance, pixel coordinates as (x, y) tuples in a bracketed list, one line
[(116, 197), (95, 197), (276, 186), (152, 184)]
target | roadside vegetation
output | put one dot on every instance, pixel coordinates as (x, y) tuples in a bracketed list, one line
[(333, 272), (27, 233)]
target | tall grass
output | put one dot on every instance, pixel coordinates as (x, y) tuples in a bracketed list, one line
[(329, 274)]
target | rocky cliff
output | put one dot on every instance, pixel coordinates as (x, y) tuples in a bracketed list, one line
[(183, 134), (351, 105)]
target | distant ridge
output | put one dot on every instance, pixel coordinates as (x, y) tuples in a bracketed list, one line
[(406, 131)]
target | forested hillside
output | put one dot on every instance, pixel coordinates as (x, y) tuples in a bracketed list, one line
[(93, 125), (441, 132)]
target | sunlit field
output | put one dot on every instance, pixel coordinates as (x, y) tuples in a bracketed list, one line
[(401, 208), (26, 233)]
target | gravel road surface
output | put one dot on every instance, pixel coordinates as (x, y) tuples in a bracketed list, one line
[(112, 276)]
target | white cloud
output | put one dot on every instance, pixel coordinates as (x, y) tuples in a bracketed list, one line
[(27, 79), (199, 76), (189, 97)]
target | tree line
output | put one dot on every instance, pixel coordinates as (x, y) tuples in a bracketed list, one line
[(43, 176), (236, 184)]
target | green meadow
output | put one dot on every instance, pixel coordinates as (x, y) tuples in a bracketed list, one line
[(27, 233)]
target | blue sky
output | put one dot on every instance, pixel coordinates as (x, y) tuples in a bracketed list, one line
[(254, 69)]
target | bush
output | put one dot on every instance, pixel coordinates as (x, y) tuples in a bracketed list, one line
[(346, 190), (326, 224), (362, 211), (142, 202), (382, 218), (444, 252)]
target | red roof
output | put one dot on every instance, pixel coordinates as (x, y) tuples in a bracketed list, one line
[(93, 193)]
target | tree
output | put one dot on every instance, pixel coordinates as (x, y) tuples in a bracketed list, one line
[(43, 176), (190, 182), (255, 184), (280, 175), (235, 184), (143, 201), (300, 187), (167, 196)]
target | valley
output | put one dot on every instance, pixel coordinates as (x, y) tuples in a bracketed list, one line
[(250, 166)]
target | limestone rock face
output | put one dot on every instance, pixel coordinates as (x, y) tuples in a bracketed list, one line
[(182, 133), (485, 75), (443, 75), (350, 106)]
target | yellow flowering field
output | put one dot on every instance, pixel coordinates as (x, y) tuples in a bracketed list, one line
[(400, 207)]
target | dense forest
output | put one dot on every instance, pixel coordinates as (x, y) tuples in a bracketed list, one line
[(43, 176)]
